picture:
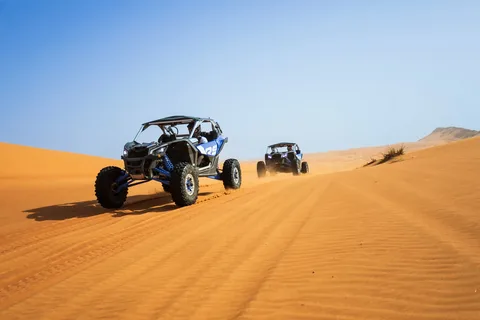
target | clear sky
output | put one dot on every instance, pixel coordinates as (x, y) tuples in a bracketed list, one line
[(82, 76)]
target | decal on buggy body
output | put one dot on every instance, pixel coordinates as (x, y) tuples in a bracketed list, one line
[(210, 148)]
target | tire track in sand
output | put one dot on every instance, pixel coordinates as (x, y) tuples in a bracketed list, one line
[(111, 245), (98, 243)]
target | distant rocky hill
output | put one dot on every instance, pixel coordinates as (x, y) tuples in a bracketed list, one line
[(450, 134)]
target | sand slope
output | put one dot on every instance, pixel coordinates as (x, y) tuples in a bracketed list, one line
[(396, 241)]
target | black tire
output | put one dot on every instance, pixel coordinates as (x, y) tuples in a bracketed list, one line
[(232, 174), (261, 169), (304, 168), (105, 188), (166, 188), (295, 167), (184, 184)]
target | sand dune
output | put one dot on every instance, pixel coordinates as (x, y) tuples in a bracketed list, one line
[(38, 163), (396, 241), (345, 160), (450, 134)]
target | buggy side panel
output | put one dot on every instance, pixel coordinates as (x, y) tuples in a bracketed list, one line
[(211, 148), (208, 156)]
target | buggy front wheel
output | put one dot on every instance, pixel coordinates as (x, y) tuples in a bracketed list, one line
[(295, 167), (261, 169), (305, 168), (110, 192), (184, 184), (166, 188)]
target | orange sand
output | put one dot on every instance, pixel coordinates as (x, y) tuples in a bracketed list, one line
[(395, 241)]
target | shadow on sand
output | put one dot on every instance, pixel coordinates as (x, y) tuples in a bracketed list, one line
[(135, 205), (85, 209)]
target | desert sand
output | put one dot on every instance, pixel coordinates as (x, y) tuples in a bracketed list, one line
[(396, 241)]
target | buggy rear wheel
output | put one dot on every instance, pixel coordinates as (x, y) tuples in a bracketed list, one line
[(184, 184), (261, 169), (232, 174), (107, 191)]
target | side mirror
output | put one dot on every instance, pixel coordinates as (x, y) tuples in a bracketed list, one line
[(298, 151)]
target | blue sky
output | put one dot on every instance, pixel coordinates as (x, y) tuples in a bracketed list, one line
[(82, 75)]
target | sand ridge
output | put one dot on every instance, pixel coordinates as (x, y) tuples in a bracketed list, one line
[(394, 241)]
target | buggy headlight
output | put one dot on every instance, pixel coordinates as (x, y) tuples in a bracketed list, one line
[(125, 152), (157, 151)]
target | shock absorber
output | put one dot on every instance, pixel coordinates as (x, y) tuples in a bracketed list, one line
[(168, 163)]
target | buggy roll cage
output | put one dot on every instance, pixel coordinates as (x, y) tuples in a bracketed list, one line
[(295, 146), (165, 124)]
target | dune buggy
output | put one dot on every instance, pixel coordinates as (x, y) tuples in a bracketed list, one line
[(178, 154), (282, 157)]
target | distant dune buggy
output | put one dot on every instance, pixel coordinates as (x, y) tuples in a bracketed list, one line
[(178, 155), (282, 157)]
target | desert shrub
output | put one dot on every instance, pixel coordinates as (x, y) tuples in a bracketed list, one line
[(391, 153)]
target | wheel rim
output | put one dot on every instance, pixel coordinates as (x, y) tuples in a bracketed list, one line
[(236, 175), (189, 184), (114, 188)]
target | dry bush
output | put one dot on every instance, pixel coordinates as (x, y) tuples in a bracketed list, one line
[(391, 153)]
